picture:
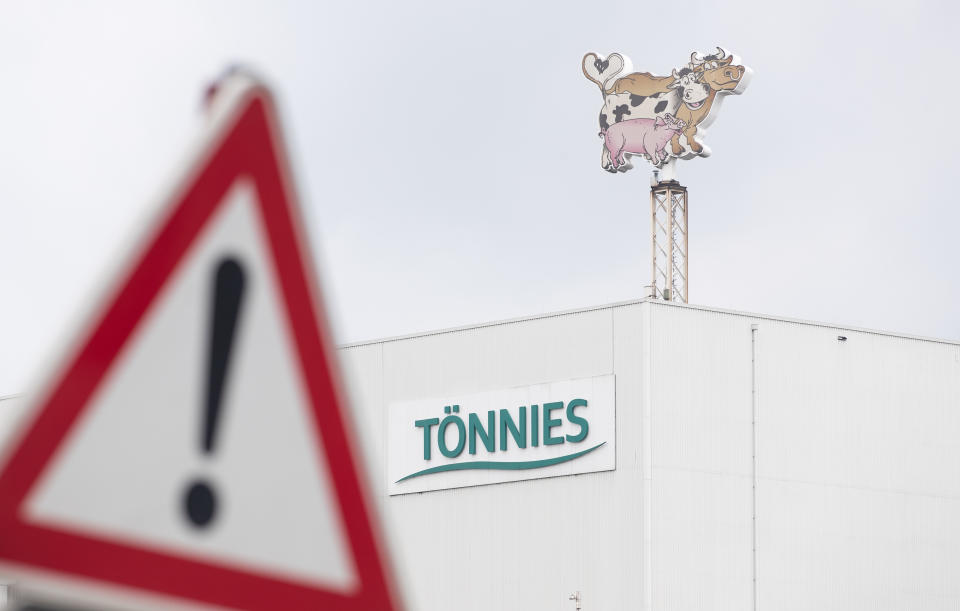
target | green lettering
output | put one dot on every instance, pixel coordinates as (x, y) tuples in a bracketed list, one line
[(487, 436), (534, 425), (442, 436), (575, 419), (425, 425), (549, 423), (519, 435)]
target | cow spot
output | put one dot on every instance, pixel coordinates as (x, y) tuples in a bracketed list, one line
[(660, 107), (619, 111), (603, 121), (637, 100), (656, 95)]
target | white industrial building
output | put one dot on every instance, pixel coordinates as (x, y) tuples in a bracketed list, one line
[(760, 463), (733, 461)]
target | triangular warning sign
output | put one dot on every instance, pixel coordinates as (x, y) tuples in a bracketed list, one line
[(192, 448)]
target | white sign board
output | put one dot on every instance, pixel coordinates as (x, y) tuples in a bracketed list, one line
[(528, 432)]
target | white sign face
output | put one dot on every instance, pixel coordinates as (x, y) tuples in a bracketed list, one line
[(158, 415), (528, 432)]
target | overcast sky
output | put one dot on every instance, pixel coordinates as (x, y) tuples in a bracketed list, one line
[(448, 155)]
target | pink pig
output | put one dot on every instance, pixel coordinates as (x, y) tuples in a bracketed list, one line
[(642, 137)]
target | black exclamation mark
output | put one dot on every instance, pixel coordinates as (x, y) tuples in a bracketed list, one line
[(200, 501)]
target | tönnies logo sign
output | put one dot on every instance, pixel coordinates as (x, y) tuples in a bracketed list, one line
[(543, 430)]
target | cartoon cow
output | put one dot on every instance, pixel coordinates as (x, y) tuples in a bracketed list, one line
[(695, 109), (692, 92), (621, 106)]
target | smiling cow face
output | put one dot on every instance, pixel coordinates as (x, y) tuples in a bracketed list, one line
[(688, 84), (724, 77)]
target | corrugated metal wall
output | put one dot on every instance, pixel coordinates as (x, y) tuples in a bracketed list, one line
[(701, 408), (522, 545), (857, 467), (860, 471)]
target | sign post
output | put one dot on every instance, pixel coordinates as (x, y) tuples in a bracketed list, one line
[(192, 448)]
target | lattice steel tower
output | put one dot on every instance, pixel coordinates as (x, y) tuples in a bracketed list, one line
[(668, 223)]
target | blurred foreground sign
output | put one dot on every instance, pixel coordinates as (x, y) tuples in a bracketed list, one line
[(191, 448)]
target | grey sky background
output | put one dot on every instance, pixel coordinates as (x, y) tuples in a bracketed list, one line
[(448, 155)]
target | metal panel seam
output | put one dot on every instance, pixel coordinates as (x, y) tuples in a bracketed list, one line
[(647, 436)]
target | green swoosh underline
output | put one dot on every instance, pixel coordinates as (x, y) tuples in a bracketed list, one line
[(502, 466)]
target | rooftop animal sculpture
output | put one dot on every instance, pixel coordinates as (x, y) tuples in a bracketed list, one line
[(688, 95)]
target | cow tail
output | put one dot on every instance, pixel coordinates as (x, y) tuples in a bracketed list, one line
[(613, 76)]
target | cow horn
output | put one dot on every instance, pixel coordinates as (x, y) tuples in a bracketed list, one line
[(721, 54), (694, 59)]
